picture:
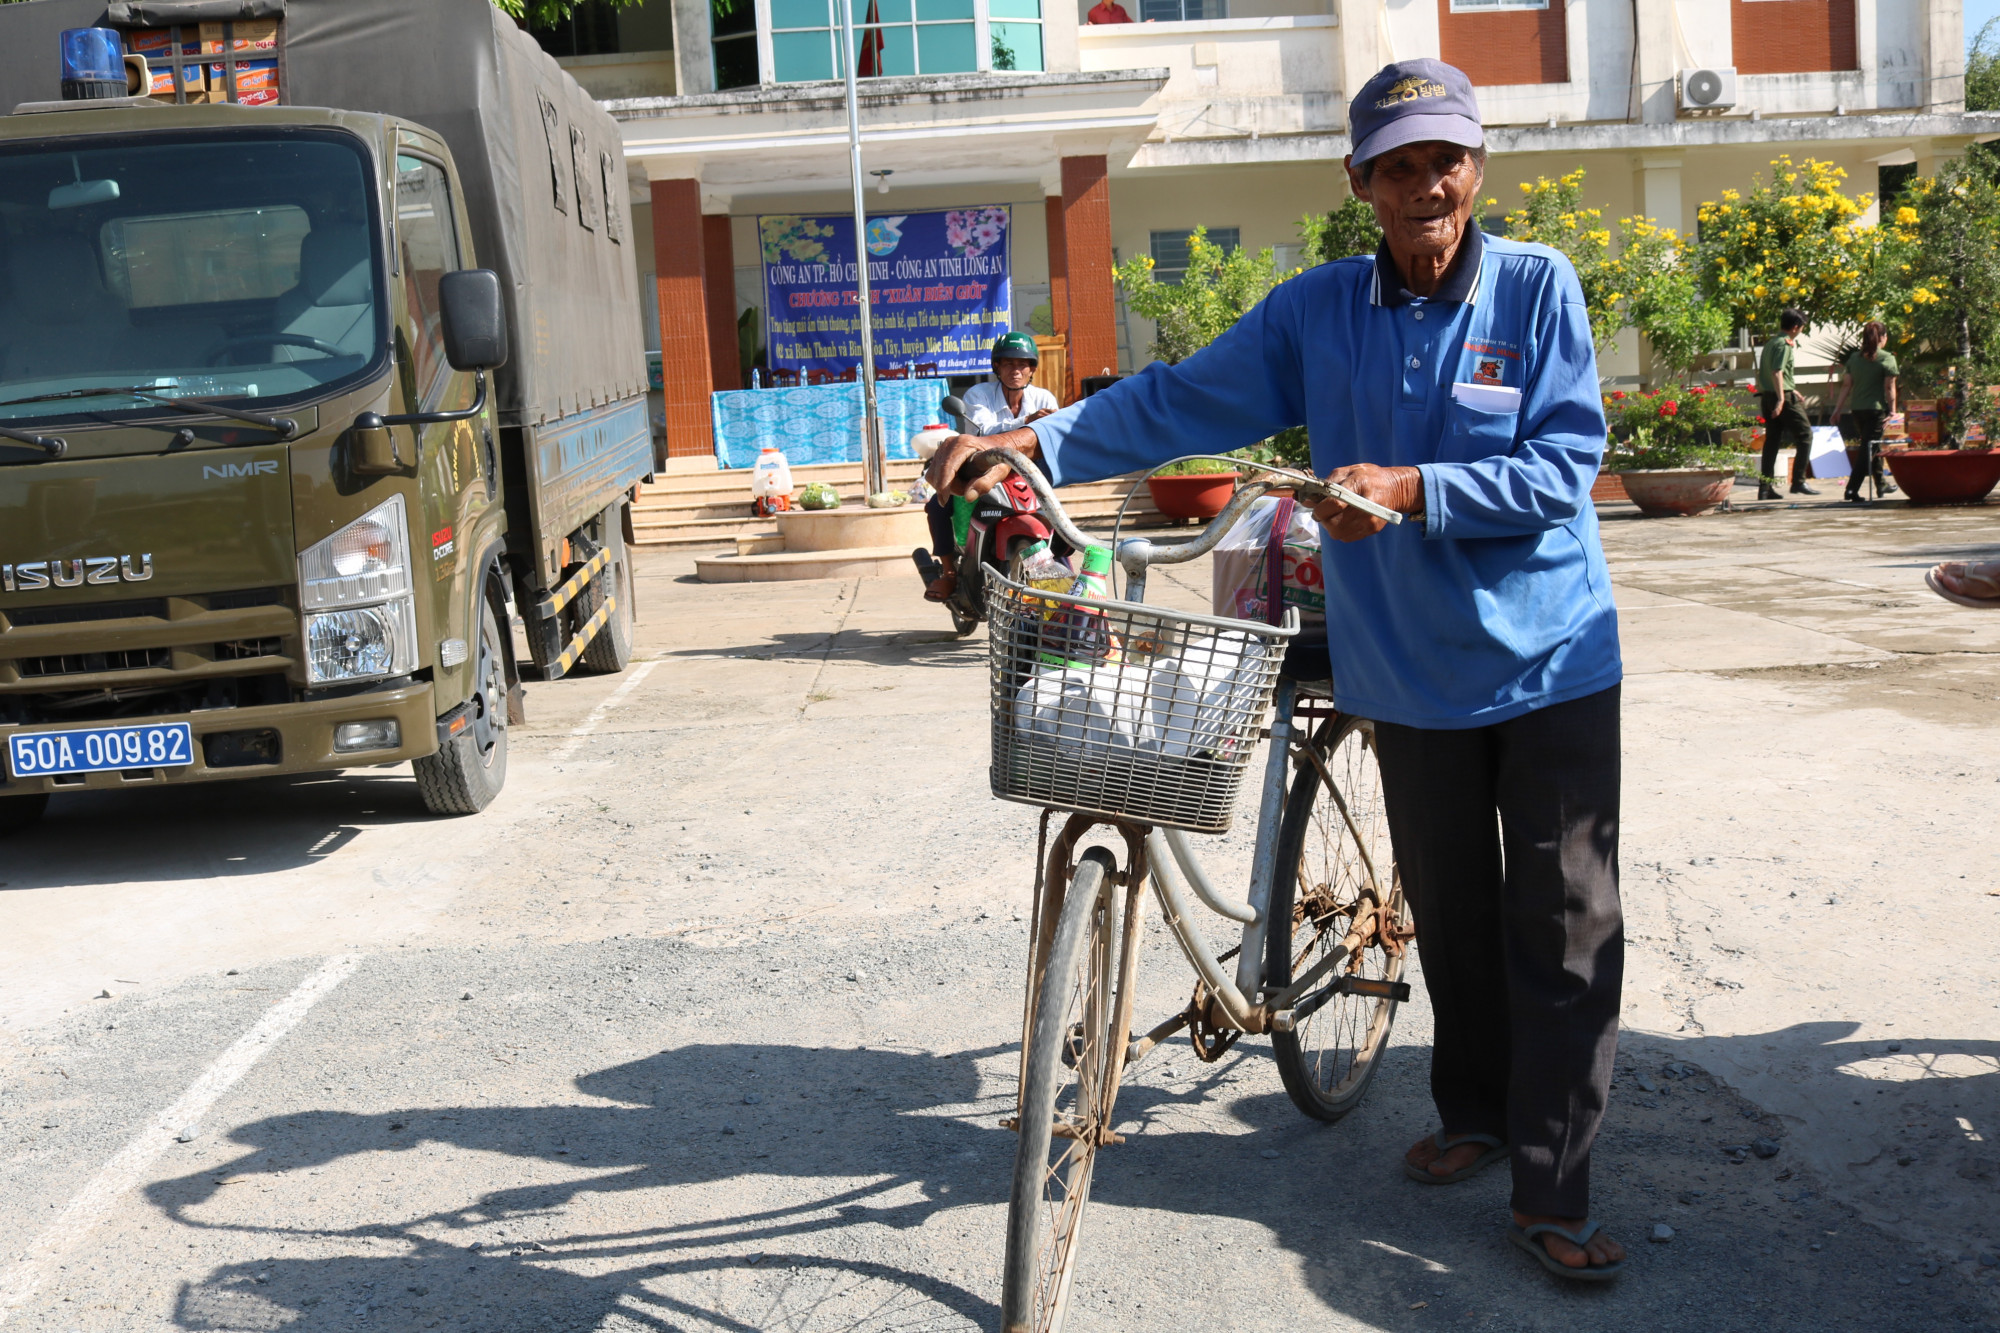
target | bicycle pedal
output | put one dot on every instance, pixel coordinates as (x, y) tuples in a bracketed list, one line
[(1010, 1122), (1381, 990)]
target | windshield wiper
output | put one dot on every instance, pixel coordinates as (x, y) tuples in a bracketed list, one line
[(284, 426), (51, 446)]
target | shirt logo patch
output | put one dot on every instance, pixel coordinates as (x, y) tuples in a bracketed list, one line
[(1409, 90), (1486, 371)]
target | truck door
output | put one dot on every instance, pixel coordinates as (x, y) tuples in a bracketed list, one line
[(453, 469)]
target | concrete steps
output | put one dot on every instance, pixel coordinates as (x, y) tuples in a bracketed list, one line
[(691, 510)]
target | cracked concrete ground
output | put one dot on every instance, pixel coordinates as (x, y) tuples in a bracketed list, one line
[(709, 1022)]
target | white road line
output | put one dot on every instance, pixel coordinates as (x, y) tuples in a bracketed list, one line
[(122, 1173), (603, 710)]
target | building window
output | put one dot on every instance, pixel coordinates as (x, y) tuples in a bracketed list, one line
[(1792, 36), (1170, 249), (1016, 30), (905, 37), (1182, 11), (1505, 41), (732, 26)]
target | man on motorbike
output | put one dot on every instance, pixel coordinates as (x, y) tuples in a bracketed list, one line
[(1450, 377), (1005, 402)]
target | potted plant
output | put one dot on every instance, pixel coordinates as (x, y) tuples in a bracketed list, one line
[(1196, 488), (1666, 446)]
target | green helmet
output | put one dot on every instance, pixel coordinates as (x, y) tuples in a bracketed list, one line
[(1018, 346)]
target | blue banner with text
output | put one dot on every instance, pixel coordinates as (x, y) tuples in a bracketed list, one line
[(939, 286)]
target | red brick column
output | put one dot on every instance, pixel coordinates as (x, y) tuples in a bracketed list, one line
[(1086, 235), (1052, 211), (719, 268), (684, 361)]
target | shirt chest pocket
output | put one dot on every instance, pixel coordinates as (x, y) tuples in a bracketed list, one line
[(1475, 434)]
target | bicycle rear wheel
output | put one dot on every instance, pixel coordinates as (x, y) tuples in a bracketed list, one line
[(1333, 858), (1066, 1101)]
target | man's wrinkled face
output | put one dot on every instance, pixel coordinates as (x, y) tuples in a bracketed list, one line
[(1014, 372), (1423, 194)]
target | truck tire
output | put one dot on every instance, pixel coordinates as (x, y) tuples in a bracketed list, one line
[(21, 812), (611, 651), (469, 770)]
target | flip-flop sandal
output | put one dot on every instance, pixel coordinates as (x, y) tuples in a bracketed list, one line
[(1495, 1150), (1985, 603), (1526, 1238)]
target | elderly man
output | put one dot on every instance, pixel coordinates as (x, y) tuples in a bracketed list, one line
[(1450, 377)]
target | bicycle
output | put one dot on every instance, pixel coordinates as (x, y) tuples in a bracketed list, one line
[(1118, 739)]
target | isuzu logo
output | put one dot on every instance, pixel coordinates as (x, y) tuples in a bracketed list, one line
[(267, 467), (33, 575)]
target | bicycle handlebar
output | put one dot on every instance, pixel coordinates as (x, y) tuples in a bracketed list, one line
[(1309, 489)]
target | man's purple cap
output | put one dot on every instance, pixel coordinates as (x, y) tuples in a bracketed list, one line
[(1413, 101)]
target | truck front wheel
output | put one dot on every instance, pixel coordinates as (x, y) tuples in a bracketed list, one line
[(469, 770), (20, 812)]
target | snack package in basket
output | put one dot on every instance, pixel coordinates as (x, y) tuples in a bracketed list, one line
[(1273, 550)]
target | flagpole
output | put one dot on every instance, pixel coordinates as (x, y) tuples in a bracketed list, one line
[(874, 467)]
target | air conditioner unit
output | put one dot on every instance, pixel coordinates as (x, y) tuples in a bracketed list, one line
[(1708, 89)]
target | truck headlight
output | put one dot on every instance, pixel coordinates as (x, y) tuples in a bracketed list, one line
[(358, 581)]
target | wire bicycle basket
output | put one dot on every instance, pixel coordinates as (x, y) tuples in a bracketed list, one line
[(1122, 709)]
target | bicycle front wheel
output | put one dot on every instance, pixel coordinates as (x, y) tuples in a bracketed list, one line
[(1334, 857), (1066, 1101)]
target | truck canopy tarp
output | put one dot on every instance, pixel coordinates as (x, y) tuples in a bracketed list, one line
[(541, 163)]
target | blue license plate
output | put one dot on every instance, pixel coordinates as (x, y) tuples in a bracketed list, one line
[(40, 754)]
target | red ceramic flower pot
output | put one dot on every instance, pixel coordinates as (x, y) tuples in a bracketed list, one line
[(1201, 496), (1944, 476), (1678, 492)]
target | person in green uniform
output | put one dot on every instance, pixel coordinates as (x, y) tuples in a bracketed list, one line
[(1784, 409), (1870, 391)]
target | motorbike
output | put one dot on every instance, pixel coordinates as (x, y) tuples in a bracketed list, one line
[(1004, 522)]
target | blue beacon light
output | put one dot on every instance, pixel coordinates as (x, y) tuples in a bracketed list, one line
[(93, 64)]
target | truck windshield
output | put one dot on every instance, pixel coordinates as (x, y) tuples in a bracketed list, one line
[(229, 267)]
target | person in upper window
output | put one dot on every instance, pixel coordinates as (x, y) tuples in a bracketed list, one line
[(1107, 11), (1006, 402)]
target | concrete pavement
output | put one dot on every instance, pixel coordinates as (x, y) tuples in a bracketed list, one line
[(709, 1021)]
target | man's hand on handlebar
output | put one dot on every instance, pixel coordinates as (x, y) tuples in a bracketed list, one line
[(1397, 488), (954, 468)]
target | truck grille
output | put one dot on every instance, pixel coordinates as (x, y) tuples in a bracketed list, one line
[(86, 664), (132, 658)]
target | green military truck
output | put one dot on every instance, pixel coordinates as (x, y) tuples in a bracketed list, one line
[(320, 362)]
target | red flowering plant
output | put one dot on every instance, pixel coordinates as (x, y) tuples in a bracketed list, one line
[(1676, 427)]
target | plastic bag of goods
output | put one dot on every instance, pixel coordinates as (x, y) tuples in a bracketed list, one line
[(819, 495), (1193, 699), (1277, 535), (1077, 710)]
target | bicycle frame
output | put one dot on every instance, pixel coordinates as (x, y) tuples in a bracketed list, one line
[(1170, 858)]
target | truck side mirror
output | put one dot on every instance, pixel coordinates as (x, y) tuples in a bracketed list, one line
[(475, 324)]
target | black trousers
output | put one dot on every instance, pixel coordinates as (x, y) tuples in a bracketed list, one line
[(1866, 457), (1786, 421), (1507, 840)]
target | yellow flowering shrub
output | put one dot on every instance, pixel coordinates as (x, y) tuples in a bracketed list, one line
[(1794, 240)]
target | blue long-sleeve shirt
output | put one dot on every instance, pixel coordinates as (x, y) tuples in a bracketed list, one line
[(1497, 602)]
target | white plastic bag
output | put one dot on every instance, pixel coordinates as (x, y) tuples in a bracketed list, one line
[(1242, 578), (1077, 710), (1192, 699)]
